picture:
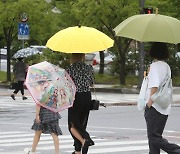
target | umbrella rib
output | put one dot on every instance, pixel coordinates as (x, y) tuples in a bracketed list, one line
[(146, 28), (170, 30)]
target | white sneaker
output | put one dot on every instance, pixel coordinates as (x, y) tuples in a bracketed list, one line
[(28, 151)]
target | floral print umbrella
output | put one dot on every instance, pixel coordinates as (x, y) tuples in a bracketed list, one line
[(26, 52), (50, 86)]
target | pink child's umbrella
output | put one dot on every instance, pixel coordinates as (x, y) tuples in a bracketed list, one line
[(50, 86)]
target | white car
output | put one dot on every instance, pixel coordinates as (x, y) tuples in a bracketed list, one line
[(89, 58), (3, 59), (94, 60), (39, 47)]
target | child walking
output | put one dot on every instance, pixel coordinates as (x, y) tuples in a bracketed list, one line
[(46, 122)]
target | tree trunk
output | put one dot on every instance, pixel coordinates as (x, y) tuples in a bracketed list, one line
[(101, 69), (8, 32), (8, 61), (122, 70), (121, 52)]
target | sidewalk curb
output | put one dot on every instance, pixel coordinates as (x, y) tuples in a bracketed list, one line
[(109, 89), (117, 90), (106, 89), (4, 86)]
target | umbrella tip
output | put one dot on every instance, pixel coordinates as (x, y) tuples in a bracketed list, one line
[(156, 10), (79, 26)]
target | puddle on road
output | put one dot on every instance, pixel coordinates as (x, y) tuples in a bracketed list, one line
[(112, 137)]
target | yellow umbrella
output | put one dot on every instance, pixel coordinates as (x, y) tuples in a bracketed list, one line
[(79, 39)]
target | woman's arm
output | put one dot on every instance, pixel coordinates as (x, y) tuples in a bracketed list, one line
[(153, 90), (37, 113)]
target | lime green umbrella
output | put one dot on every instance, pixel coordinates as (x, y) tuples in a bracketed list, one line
[(150, 28)]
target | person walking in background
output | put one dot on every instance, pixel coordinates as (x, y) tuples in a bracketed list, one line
[(155, 115), (19, 70), (46, 122), (83, 76)]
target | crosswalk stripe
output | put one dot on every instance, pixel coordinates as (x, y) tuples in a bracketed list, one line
[(28, 135), (12, 132), (118, 149), (103, 143), (42, 142), (8, 140), (17, 135)]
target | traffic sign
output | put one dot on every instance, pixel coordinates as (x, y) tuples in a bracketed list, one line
[(23, 31), (23, 17)]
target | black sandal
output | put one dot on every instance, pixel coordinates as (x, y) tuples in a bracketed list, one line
[(88, 142)]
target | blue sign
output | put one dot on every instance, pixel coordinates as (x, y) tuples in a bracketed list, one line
[(23, 31)]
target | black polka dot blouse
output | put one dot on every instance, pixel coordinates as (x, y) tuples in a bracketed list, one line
[(82, 75)]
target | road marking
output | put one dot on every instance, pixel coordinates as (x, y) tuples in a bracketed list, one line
[(102, 145), (44, 137), (10, 132), (42, 142), (118, 149), (107, 132)]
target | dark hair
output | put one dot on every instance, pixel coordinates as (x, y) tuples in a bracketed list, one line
[(77, 57), (159, 50), (20, 59)]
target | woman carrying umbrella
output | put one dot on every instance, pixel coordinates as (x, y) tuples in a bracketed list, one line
[(82, 75), (155, 115)]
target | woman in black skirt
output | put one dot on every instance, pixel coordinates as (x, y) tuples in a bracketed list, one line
[(46, 122), (83, 76)]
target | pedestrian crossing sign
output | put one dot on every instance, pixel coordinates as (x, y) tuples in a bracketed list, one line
[(23, 31)]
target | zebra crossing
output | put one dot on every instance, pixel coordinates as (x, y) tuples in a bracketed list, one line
[(15, 134), (6, 102), (14, 142)]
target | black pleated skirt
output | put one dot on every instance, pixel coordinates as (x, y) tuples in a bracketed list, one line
[(49, 122)]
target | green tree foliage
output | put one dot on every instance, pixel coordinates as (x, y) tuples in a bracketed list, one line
[(42, 22), (105, 15), (169, 8), (67, 16), (56, 58)]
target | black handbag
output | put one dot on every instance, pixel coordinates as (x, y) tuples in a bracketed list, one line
[(94, 104)]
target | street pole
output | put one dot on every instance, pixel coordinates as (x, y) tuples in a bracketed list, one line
[(0, 59), (23, 44), (141, 51)]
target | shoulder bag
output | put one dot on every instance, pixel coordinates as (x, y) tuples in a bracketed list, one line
[(94, 102), (163, 97)]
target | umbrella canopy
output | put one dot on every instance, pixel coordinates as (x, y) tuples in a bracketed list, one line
[(50, 86), (79, 39), (150, 28), (26, 52)]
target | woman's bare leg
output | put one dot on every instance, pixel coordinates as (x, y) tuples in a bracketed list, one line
[(77, 135), (56, 143), (36, 140)]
